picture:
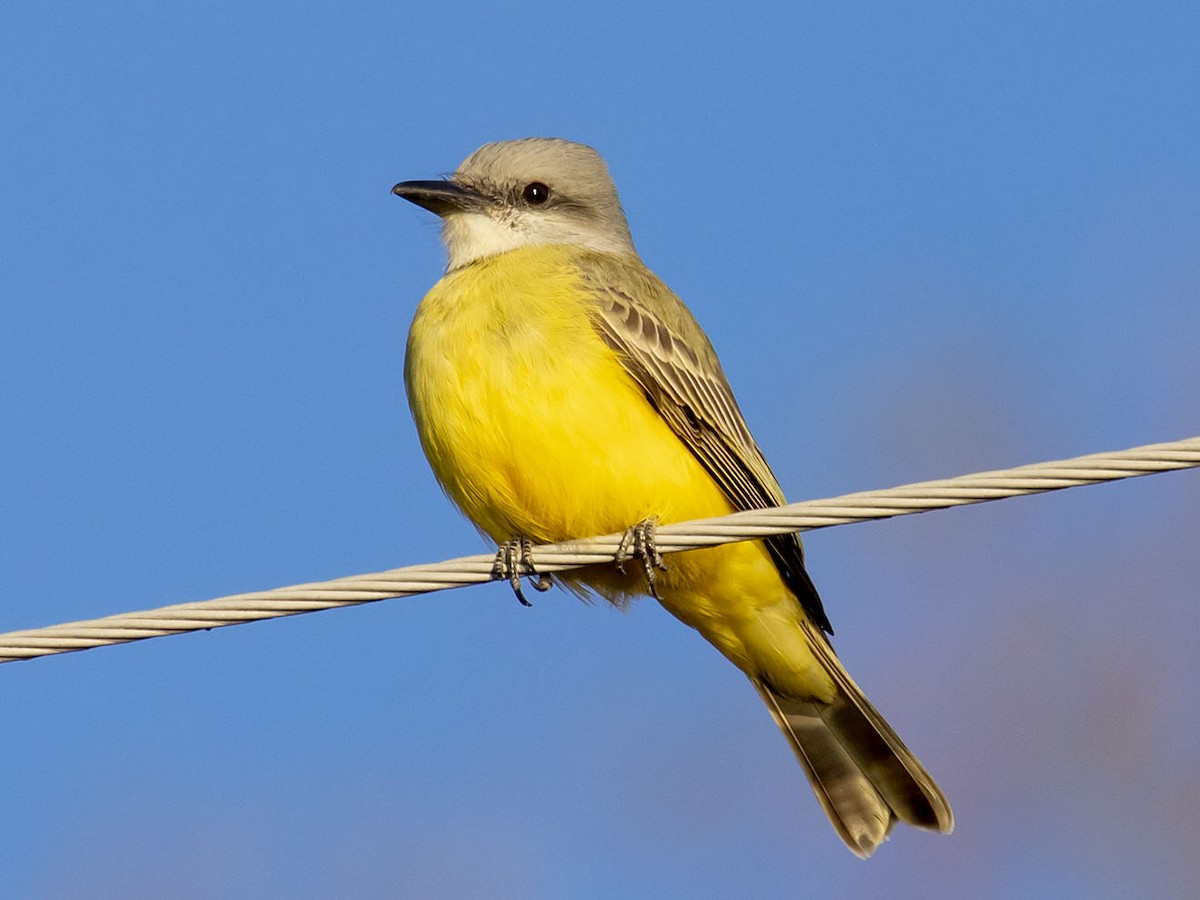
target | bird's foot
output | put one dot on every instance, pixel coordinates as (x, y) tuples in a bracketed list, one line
[(638, 543), (514, 559)]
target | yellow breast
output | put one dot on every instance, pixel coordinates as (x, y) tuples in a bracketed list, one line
[(529, 420)]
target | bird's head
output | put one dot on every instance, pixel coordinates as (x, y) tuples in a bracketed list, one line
[(528, 192)]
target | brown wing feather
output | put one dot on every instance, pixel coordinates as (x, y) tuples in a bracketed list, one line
[(668, 354)]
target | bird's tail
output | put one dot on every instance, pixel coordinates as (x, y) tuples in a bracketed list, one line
[(863, 775)]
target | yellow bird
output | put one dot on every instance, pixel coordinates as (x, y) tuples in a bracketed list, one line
[(561, 390)]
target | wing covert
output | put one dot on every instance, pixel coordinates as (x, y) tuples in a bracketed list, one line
[(671, 358)]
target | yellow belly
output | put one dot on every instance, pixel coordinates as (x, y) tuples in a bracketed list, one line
[(534, 429)]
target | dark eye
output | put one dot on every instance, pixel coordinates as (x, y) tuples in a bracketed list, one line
[(535, 193)]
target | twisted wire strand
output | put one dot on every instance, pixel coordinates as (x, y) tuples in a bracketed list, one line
[(410, 580)]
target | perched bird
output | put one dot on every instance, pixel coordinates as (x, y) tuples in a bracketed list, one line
[(561, 390)]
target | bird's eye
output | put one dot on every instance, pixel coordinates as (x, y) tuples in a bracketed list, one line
[(535, 193)]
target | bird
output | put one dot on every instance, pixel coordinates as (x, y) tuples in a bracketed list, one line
[(560, 390)]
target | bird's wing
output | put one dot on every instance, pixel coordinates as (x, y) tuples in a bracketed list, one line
[(670, 357)]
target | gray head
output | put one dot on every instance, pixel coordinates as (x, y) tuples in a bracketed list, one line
[(515, 194)]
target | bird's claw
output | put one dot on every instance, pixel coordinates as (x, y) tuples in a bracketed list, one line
[(514, 559), (638, 543)]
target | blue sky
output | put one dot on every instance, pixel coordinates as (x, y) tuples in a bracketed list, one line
[(927, 239)]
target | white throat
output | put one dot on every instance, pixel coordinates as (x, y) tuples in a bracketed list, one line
[(470, 236)]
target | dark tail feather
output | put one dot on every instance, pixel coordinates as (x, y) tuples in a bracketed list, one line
[(861, 772)]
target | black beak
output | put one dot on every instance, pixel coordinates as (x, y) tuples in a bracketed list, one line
[(441, 197)]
